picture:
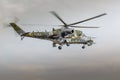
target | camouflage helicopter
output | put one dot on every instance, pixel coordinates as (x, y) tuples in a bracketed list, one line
[(62, 36)]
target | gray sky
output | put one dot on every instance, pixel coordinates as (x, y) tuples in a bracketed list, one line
[(34, 59)]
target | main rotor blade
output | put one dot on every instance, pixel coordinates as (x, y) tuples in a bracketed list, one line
[(83, 27), (56, 15), (40, 25), (87, 19)]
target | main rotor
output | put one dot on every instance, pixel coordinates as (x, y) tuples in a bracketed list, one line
[(65, 25)]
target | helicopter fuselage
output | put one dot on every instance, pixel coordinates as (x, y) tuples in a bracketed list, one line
[(76, 37)]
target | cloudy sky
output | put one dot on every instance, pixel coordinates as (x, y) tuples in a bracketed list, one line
[(34, 59)]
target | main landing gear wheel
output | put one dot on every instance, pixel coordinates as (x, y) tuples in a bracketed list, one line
[(59, 47), (67, 44), (83, 47)]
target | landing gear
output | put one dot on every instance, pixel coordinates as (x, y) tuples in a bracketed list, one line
[(54, 45), (59, 47), (83, 47), (67, 44), (22, 37)]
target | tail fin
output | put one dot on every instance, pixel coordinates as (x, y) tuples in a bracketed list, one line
[(17, 28)]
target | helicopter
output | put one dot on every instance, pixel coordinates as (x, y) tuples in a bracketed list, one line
[(66, 35)]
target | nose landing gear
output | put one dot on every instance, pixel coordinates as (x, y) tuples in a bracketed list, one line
[(67, 44)]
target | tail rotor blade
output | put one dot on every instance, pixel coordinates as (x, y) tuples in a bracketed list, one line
[(5, 25), (16, 19)]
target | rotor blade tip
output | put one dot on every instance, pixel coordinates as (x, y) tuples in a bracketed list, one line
[(104, 13), (53, 12)]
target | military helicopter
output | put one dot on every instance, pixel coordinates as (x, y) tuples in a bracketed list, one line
[(65, 35)]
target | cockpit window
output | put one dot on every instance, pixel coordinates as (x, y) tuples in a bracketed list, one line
[(79, 33)]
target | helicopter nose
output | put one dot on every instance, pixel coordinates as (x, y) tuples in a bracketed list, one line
[(89, 41)]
